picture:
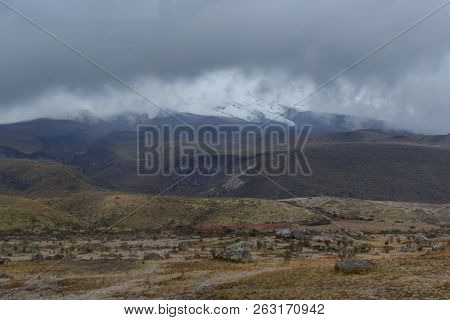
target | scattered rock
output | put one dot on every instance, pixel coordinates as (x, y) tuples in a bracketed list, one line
[(133, 255), (301, 235), (284, 234), (365, 248), (55, 257), (354, 266), (4, 276), (421, 239), (437, 247), (326, 239), (387, 249), (264, 244), (319, 247), (407, 249), (238, 252), (56, 235), (153, 256), (356, 235), (37, 257), (114, 255), (182, 246)]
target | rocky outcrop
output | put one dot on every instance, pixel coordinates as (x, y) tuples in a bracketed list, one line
[(238, 252), (354, 266)]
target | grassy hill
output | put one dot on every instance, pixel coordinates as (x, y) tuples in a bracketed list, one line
[(144, 212), (40, 178), (23, 214), (148, 212), (377, 211)]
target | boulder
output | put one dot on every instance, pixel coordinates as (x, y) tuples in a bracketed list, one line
[(301, 235), (421, 239), (153, 256), (284, 234), (407, 249), (354, 266), (437, 247), (238, 252)]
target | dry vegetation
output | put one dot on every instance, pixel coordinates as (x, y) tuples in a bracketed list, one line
[(145, 212), (396, 277), (170, 248), (40, 178), (25, 214), (113, 266)]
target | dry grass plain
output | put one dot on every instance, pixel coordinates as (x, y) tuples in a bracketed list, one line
[(114, 268), (62, 248)]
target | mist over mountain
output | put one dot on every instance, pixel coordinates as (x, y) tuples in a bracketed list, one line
[(196, 55), (254, 112)]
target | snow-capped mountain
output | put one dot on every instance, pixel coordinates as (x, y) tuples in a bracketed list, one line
[(256, 111), (262, 112)]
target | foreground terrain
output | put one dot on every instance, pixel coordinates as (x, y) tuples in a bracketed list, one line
[(178, 259), (112, 268)]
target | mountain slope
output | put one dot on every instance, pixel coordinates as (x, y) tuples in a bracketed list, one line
[(36, 178), (43, 134), (17, 213), (366, 164)]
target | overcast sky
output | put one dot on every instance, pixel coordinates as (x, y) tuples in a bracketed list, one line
[(195, 54)]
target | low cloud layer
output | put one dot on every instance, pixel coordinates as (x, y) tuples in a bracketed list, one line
[(193, 55)]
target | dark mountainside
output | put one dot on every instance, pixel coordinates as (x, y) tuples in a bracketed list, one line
[(365, 164)]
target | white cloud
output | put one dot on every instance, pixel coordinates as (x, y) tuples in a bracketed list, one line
[(419, 102)]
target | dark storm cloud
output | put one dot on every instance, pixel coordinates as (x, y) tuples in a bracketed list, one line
[(177, 40)]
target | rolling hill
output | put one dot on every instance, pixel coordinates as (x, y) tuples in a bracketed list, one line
[(37, 178), (144, 212), (21, 214), (151, 213)]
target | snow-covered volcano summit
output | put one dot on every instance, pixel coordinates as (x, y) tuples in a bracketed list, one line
[(256, 111)]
